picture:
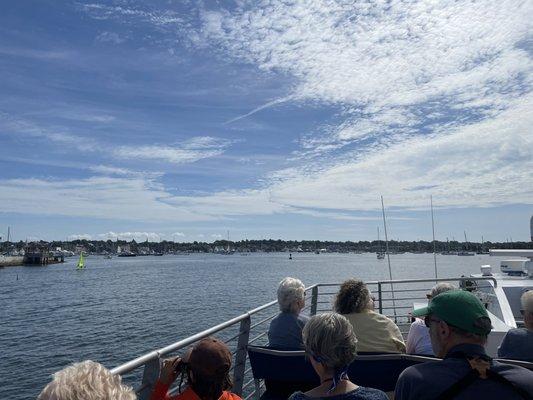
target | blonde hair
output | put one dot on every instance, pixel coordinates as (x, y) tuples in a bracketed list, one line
[(330, 336), (87, 380), (290, 290)]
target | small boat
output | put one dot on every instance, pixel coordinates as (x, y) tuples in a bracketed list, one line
[(81, 262), (127, 254)]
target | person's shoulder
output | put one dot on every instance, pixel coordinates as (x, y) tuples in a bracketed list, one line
[(419, 371), (515, 370), (380, 317), (517, 332), (520, 376), (367, 393), (230, 396), (297, 396)]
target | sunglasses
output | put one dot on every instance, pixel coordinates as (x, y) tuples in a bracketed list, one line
[(428, 320)]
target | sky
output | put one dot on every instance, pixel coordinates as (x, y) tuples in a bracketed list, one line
[(201, 120)]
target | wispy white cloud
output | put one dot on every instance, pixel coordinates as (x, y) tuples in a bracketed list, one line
[(131, 13), (110, 37), (487, 163), (425, 92), (14, 126), (260, 108), (128, 198), (194, 149), (80, 236), (46, 55)]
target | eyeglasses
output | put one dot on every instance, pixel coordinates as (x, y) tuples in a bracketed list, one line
[(428, 320)]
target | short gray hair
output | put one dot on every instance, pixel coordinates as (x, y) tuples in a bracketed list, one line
[(527, 301), (87, 380), (330, 336), (441, 288), (290, 290)]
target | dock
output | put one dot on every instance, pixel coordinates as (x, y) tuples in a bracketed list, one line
[(11, 261)]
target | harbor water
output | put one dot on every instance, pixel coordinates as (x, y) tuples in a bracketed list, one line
[(117, 309)]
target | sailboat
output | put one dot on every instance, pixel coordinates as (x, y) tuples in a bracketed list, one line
[(466, 252), (380, 254), (81, 262)]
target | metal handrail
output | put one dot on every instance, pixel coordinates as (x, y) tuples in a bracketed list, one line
[(151, 360)]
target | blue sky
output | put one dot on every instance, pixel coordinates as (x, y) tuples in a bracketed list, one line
[(268, 119)]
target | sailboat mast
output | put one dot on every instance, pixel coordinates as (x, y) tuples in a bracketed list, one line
[(388, 256), (433, 229)]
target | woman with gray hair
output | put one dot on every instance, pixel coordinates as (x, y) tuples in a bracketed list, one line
[(331, 346), (375, 332), (418, 340), (87, 380), (285, 331)]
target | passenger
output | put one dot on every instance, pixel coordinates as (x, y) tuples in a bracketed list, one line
[(518, 343), (458, 326), (331, 346), (285, 331), (207, 369), (418, 341), (375, 332), (87, 380)]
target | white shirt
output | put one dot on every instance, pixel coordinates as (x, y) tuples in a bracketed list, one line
[(418, 340)]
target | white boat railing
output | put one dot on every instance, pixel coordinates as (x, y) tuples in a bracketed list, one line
[(252, 326)]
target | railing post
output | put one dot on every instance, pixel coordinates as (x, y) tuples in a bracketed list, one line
[(150, 376), (380, 302), (240, 356), (314, 300)]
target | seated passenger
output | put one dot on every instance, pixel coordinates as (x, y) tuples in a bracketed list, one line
[(375, 332), (87, 380), (207, 368), (458, 326), (285, 331), (418, 341), (331, 346), (518, 343)]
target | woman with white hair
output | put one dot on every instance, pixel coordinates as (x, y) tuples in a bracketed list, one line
[(87, 380), (331, 346), (285, 331), (518, 343), (418, 340)]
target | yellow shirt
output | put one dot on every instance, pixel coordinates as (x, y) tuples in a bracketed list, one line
[(375, 332)]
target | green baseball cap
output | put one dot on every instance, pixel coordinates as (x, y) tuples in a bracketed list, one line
[(458, 308)]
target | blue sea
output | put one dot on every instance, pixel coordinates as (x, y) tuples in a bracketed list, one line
[(118, 309)]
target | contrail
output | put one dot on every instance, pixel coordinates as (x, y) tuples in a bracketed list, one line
[(269, 104)]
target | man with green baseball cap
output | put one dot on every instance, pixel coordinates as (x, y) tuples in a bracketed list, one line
[(458, 327)]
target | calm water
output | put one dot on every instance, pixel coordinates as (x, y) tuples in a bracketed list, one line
[(118, 309)]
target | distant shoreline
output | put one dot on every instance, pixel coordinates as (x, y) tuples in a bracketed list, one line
[(251, 246)]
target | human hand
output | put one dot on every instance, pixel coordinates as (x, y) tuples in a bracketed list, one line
[(169, 370)]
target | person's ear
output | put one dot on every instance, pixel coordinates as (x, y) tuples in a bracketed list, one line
[(444, 330)]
